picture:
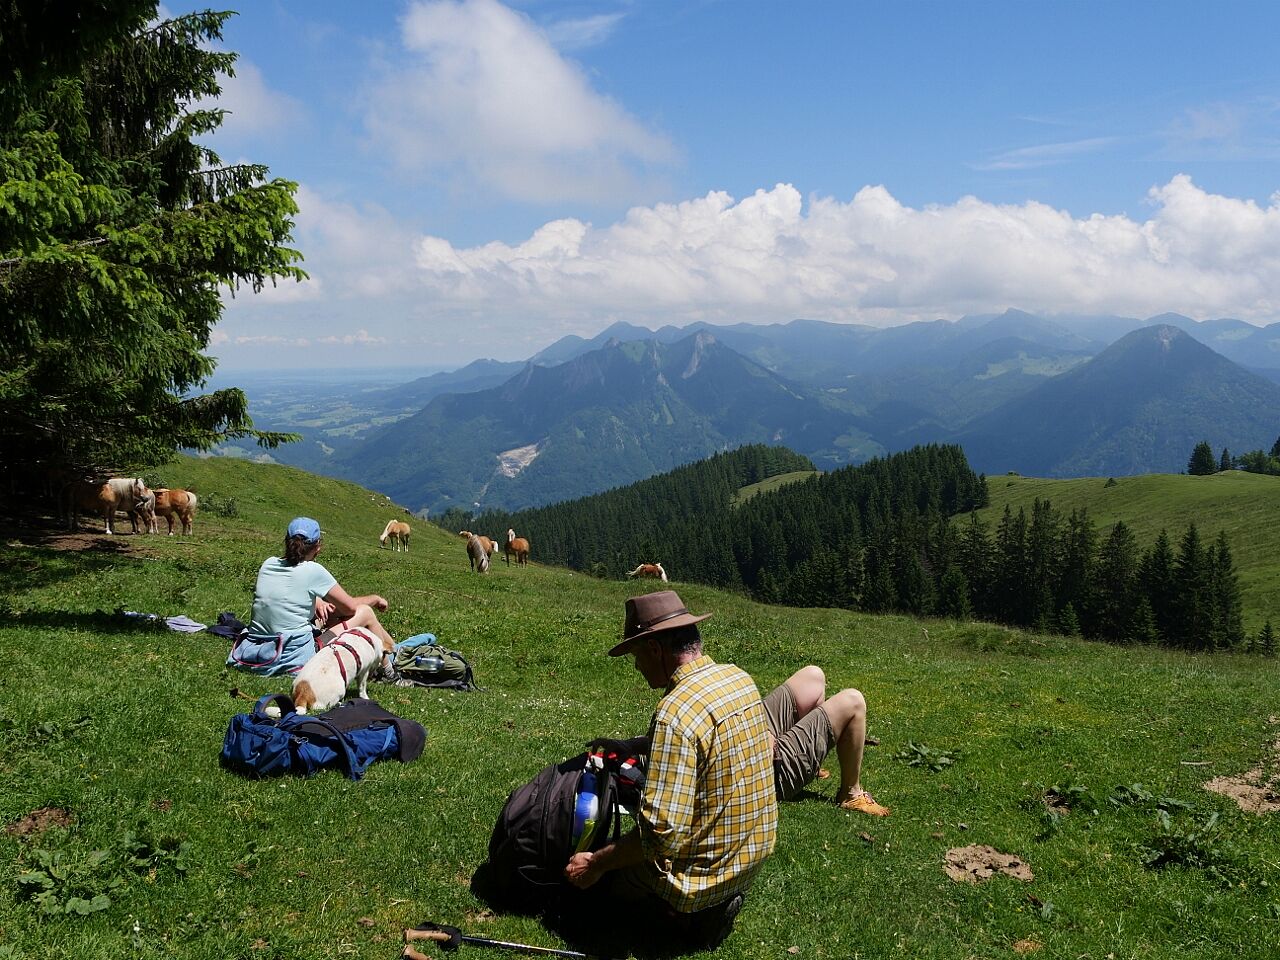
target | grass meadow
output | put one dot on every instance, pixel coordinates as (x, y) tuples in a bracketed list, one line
[(1083, 760)]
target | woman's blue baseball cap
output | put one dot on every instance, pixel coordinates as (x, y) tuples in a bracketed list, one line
[(304, 527)]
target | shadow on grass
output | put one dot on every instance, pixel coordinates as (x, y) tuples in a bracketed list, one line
[(97, 621), (591, 921), (38, 557)]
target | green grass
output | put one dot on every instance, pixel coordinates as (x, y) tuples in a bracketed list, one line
[(773, 483), (1243, 504), (325, 868)]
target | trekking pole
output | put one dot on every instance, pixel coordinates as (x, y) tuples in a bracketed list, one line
[(450, 938)]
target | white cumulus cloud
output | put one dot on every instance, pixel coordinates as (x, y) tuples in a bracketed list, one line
[(873, 259), (485, 96), (255, 108), (360, 337)]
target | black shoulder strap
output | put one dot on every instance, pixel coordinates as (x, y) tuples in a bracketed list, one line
[(304, 726)]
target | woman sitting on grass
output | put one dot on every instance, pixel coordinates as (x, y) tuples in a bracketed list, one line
[(298, 599)]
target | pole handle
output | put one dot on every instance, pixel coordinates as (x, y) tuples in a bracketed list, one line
[(439, 936), (412, 954)]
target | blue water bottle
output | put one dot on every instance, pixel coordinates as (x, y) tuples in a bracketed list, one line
[(584, 813)]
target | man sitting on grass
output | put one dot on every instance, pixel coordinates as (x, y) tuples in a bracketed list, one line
[(805, 723), (708, 815)]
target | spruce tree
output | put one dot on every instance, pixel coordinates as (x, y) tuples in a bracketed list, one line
[(1116, 587), (1275, 449), (1224, 462), (1228, 620), (974, 558), (1044, 565), (1068, 622), (119, 233), (1267, 640), (1156, 578), (1193, 620), (1202, 462), (953, 595), (1009, 584)]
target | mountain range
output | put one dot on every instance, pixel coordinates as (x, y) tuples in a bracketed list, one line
[(1041, 396)]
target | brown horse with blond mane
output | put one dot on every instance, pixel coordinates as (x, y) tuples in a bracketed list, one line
[(397, 531), (517, 547)]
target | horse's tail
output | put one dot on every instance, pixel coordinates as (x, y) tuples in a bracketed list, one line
[(636, 571), (192, 500)]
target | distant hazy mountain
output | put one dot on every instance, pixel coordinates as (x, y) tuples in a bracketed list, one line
[(611, 416), (1254, 348), (584, 415), (477, 375), (1140, 406)]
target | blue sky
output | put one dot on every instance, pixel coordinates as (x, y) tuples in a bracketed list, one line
[(479, 179)]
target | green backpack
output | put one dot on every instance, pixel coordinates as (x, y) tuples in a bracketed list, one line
[(431, 665)]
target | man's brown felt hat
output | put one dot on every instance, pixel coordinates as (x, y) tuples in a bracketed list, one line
[(652, 613)]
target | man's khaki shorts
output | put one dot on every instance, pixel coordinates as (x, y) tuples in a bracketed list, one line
[(801, 743)]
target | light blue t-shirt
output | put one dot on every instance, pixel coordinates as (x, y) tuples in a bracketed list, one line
[(284, 597)]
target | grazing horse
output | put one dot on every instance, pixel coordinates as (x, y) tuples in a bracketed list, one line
[(103, 497), (517, 547), (398, 531), (649, 570), (478, 554), (144, 512), (175, 504)]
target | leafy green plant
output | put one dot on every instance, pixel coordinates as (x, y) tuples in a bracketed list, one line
[(66, 881), (1136, 795), (919, 755), (1196, 844), (59, 882), (1055, 803), (225, 507)]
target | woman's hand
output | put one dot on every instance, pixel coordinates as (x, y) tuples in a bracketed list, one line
[(324, 610)]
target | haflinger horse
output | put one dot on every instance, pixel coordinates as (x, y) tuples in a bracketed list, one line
[(144, 513), (490, 546), (397, 531), (175, 504), (104, 498), (517, 547), (478, 553), (653, 570)]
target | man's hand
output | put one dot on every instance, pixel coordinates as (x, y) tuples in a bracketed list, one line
[(377, 602), (581, 870)]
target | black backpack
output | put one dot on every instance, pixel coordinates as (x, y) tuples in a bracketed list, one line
[(533, 839)]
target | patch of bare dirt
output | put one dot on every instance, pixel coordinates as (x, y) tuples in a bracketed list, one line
[(978, 862), (1257, 790), (1024, 947), (38, 821), (44, 532)]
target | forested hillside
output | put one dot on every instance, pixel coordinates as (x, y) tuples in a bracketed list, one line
[(848, 538), (1242, 505), (880, 538)]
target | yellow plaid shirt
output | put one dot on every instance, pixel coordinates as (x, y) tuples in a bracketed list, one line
[(708, 816)]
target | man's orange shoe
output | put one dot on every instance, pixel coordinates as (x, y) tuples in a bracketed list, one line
[(865, 803)]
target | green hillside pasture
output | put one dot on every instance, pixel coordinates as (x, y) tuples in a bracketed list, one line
[(1245, 505), (120, 727), (772, 483)]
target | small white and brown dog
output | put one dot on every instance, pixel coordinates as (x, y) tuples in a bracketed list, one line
[(324, 679)]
